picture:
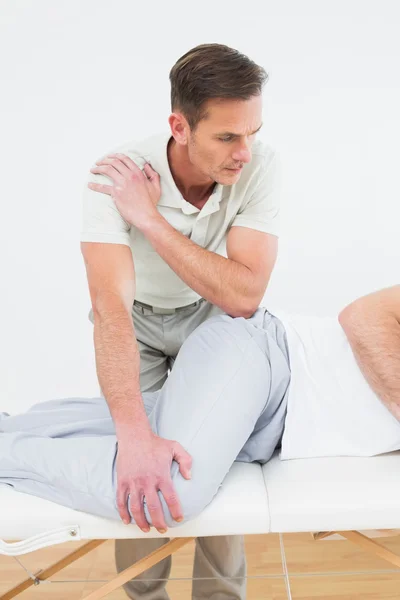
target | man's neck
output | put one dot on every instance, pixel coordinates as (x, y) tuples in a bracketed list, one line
[(195, 188)]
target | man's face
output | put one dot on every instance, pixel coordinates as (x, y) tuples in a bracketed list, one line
[(221, 143)]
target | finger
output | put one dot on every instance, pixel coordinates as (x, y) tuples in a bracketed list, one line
[(184, 460), (137, 510), (116, 162), (130, 164), (100, 187), (109, 171), (171, 498), (122, 497), (151, 174), (155, 509)]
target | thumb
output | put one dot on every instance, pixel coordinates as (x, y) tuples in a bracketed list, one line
[(184, 460)]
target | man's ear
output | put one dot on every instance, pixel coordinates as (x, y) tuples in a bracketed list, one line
[(179, 127)]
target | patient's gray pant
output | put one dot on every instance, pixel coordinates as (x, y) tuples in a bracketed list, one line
[(229, 384)]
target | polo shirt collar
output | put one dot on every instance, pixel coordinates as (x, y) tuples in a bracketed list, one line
[(170, 195)]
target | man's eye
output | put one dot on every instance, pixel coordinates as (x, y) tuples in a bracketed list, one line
[(229, 138)]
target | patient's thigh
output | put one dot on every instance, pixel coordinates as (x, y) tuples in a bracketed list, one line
[(211, 401)]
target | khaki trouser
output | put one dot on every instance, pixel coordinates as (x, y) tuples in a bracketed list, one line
[(219, 571)]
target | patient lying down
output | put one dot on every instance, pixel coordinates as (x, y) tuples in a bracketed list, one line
[(239, 389)]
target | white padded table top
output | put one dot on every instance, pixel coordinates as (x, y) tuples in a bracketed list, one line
[(306, 495), (330, 494), (239, 507)]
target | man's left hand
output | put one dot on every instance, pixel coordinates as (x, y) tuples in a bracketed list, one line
[(136, 193)]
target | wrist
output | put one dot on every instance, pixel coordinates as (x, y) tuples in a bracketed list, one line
[(133, 430), (152, 224), (134, 436), (132, 421)]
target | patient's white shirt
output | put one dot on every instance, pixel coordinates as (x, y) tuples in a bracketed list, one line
[(332, 410)]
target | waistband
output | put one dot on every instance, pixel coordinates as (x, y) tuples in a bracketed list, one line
[(167, 311)]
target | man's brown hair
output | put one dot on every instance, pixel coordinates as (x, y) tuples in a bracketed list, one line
[(212, 71)]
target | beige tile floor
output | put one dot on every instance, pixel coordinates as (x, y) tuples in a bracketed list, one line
[(323, 570)]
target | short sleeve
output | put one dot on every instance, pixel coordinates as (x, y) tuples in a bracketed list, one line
[(261, 212), (101, 220)]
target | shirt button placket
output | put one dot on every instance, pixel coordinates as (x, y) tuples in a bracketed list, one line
[(199, 231)]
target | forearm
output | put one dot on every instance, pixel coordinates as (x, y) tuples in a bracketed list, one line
[(118, 369), (375, 342), (219, 280)]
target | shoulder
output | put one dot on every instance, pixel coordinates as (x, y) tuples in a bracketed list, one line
[(140, 150)]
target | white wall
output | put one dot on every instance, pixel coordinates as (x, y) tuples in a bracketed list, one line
[(79, 78)]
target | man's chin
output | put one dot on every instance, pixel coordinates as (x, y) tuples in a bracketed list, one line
[(229, 177)]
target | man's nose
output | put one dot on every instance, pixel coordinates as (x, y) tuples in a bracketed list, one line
[(242, 154)]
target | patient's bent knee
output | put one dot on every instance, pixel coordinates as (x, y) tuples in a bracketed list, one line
[(192, 495)]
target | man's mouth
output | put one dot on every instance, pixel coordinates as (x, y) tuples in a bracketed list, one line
[(234, 169)]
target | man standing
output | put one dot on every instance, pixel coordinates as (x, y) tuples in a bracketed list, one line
[(177, 228)]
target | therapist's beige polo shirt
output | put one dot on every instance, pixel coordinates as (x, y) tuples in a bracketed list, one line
[(251, 202)]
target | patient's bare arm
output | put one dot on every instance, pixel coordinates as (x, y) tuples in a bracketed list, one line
[(372, 326)]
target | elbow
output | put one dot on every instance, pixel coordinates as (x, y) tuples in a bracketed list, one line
[(249, 310), (354, 318), (346, 316), (106, 303), (364, 314), (245, 309), (248, 306)]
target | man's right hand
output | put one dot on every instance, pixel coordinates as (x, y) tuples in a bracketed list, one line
[(144, 468)]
